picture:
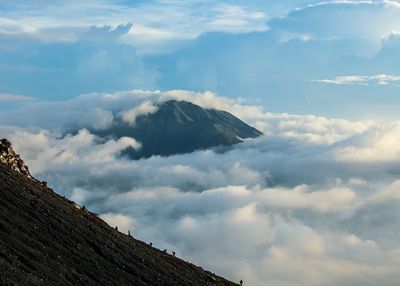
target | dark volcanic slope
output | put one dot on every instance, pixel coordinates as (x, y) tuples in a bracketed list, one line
[(181, 127), (47, 240)]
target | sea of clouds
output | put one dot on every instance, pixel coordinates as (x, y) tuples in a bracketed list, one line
[(314, 201)]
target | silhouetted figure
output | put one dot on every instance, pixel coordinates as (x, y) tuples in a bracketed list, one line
[(129, 232), (173, 253), (241, 282), (151, 244), (116, 228)]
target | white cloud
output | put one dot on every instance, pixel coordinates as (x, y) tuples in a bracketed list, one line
[(381, 79), (343, 23), (129, 116), (377, 144), (156, 25), (236, 19), (300, 196), (69, 149)]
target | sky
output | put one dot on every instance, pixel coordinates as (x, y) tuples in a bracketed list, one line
[(331, 58), (314, 201)]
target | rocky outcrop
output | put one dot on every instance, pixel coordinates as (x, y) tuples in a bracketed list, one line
[(11, 159)]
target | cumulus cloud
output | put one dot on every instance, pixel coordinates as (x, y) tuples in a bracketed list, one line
[(377, 144), (336, 16), (314, 201)]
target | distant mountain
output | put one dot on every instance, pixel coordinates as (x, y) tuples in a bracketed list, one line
[(181, 127), (46, 239)]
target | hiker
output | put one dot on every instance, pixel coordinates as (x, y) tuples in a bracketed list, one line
[(241, 282)]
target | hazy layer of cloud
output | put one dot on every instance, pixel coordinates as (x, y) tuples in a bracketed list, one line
[(6, 97), (315, 201)]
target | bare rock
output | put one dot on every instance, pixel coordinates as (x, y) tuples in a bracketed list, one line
[(9, 158)]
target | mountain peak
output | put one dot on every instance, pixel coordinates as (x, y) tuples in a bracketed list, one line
[(11, 159), (179, 127), (185, 111)]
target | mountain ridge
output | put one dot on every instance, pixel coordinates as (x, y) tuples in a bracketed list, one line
[(46, 239)]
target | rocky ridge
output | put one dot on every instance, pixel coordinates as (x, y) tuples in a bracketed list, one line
[(9, 158)]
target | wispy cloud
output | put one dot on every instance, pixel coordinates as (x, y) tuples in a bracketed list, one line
[(6, 97), (381, 79)]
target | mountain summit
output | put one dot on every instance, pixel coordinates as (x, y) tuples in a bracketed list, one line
[(181, 127), (46, 239)]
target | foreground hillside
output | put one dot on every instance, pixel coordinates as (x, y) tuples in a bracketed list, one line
[(48, 240)]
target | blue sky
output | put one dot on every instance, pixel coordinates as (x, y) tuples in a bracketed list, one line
[(331, 58)]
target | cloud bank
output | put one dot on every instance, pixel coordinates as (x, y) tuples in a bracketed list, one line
[(315, 201)]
